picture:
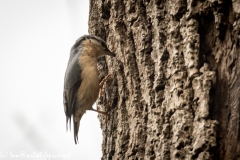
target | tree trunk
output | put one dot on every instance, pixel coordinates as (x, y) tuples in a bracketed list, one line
[(175, 88)]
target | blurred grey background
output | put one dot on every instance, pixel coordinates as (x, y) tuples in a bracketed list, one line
[(35, 40)]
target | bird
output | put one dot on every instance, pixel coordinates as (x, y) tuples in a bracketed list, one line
[(81, 81)]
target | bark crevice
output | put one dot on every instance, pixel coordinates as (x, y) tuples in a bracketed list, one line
[(175, 87)]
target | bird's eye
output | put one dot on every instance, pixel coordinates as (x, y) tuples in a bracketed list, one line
[(102, 44)]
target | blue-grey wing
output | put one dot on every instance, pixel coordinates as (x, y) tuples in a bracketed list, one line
[(72, 82)]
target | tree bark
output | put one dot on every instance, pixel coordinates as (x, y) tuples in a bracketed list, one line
[(175, 88)]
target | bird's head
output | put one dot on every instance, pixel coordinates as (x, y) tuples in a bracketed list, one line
[(95, 45)]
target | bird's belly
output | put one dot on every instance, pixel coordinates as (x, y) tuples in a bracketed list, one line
[(88, 91), (91, 91)]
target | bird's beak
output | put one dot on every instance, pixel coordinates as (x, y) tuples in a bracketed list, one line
[(111, 54)]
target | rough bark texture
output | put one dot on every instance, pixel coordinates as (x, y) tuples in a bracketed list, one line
[(176, 78)]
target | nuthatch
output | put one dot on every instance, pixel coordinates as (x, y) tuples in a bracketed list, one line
[(81, 82)]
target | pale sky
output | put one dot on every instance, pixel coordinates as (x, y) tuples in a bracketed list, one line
[(36, 37)]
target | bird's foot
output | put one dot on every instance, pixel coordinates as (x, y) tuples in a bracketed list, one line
[(102, 83), (108, 106), (104, 112)]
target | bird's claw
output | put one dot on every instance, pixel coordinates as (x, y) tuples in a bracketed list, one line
[(102, 83), (108, 106)]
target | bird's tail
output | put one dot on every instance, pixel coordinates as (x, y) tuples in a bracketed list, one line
[(76, 123)]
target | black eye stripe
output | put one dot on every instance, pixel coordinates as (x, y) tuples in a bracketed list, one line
[(89, 37), (98, 40), (103, 44)]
